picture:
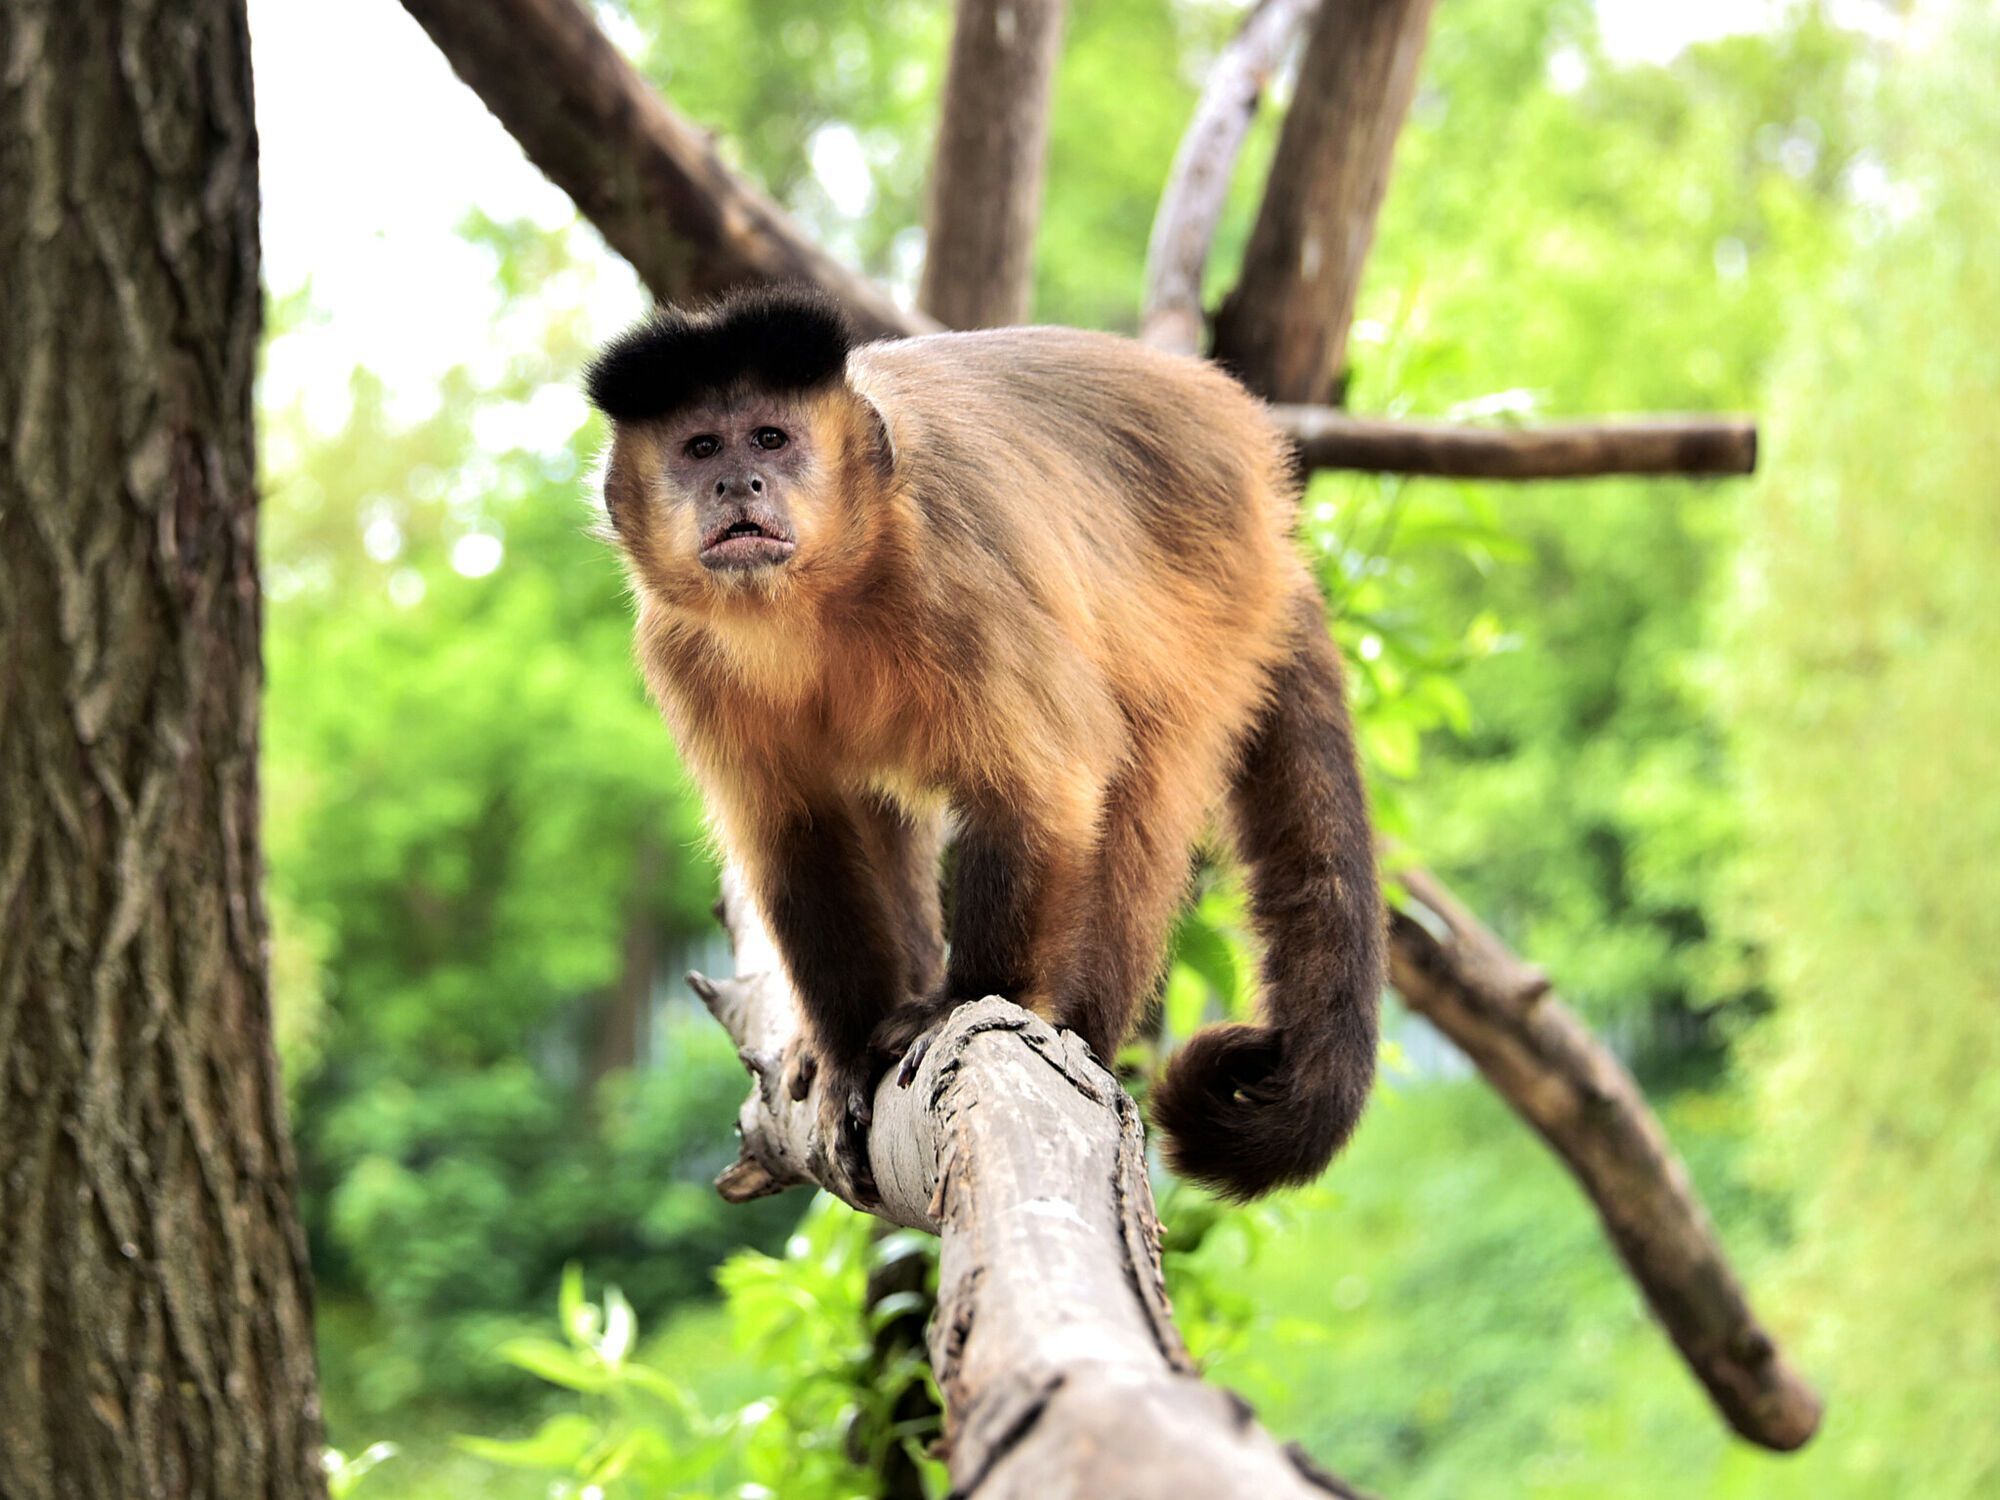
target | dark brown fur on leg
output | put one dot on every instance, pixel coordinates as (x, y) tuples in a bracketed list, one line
[(1139, 876), (996, 893), (831, 915), (1250, 1108)]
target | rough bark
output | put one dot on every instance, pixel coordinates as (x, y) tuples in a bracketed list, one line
[(649, 180), (1331, 439), (1284, 329), (1198, 186), (154, 1300), (1566, 1084), (986, 180), (1062, 1372)]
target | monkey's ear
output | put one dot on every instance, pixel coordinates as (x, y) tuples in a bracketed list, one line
[(881, 441)]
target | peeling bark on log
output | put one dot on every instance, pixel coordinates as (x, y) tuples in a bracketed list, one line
[(1198, 186), (649, 180), (1331, 439), (1053, 1343), (1564, 1082), (986, 181), (1284, 329)]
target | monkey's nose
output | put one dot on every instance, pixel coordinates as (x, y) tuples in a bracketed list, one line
[(755, 485)]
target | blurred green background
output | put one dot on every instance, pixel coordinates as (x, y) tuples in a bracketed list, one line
[(1721, 756)]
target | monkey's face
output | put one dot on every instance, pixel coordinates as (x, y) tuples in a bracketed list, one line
[(738, 470)]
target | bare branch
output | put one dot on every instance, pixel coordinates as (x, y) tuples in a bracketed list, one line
[(1330, 439), (986, 181), (1198, 186), (1284, 328), (646, 177), (1567, 1085), (1062, 1371)]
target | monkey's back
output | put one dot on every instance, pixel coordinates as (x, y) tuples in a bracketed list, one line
[(1138, 504)]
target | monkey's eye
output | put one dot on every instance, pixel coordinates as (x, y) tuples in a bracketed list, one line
[(769, 437), (707, 445)]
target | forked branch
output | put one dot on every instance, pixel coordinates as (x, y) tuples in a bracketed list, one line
[(1198, 186)]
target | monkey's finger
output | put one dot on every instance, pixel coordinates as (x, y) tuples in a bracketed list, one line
[(805, 1068)]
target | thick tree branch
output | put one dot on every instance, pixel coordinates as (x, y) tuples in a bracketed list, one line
[(1284, 328), (647, 178), (1062, 1371), (986, 181), (1565, 1083), (1198, 186), (1330, 439)]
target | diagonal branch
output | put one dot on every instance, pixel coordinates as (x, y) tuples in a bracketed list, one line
[(1565, 1083), (1198, 186), (1062, 1372), (646, 177), (986, 181), (1284, 328), (1330, 439)]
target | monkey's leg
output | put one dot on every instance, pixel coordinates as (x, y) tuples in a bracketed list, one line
[(832, 916), (1010, 864), (904, 847), (1113, 945)]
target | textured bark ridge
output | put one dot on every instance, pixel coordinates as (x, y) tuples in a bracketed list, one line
[(154, 1303), (1053, 1343)]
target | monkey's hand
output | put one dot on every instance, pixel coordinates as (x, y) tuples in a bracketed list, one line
[(903, 1036), (846, 1109)]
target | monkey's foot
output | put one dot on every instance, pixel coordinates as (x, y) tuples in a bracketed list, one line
[(906, 1033), (846, 1109)]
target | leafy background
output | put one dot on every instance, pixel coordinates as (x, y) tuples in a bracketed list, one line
[(1719, 755)]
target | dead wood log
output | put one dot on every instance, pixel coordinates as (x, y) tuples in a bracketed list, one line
[(1198, 185), (986, 179), (1327, 438), (1062, 1371), (1565, 1083), (1284, 328)]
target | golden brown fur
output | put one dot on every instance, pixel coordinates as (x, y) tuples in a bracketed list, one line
[(1043, 580)]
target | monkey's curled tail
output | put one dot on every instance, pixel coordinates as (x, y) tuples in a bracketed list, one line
[(1250, 1108)]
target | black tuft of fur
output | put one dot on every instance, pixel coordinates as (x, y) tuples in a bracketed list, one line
[(1245, 1116), (786, 338)]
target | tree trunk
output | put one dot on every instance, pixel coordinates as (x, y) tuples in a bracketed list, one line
[(1284, 329), (155, 1309), (986, 182)]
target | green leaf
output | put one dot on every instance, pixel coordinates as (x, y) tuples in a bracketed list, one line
[(560, 1443), (550, 1361)]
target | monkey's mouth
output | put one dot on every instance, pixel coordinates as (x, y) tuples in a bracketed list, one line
[(745, 543)]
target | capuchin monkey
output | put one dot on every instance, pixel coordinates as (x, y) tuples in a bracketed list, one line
[(1038, 583)]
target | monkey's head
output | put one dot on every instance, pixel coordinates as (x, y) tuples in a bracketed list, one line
[(739, 450)]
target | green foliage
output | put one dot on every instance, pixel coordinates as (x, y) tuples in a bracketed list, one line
[(1866, 703), (641, 1429), (1577, 239)]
